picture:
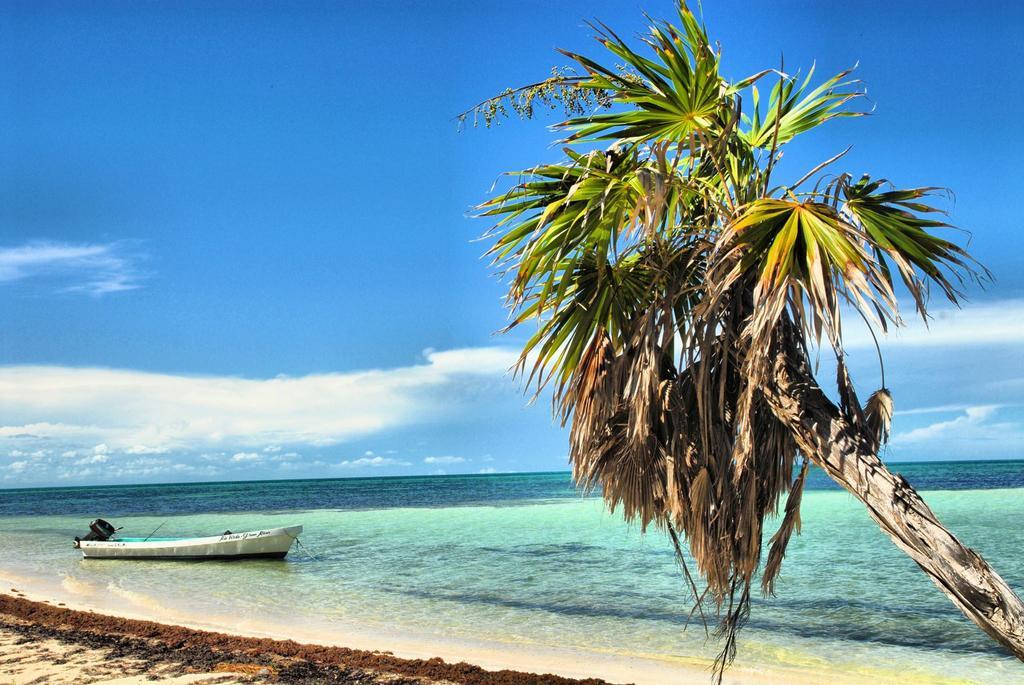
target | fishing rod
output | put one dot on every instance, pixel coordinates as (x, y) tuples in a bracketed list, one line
[(156, 529)]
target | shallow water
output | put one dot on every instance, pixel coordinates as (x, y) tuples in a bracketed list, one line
[(524, 559)]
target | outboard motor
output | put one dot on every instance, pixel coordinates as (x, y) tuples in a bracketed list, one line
[(98, 530)]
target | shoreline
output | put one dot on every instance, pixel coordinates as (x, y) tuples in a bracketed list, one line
[(182, 650), (571, 664)]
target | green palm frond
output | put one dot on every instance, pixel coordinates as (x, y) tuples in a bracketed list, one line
[(897, 224), (590, 242), (793, 109), (810, 248), (666, 98), (561, 213), (599, 298)]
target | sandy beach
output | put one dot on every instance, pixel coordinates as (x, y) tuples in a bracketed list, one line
[(27, 655), (44, 642)]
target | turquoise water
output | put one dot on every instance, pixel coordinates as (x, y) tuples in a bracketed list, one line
[(525, 560)]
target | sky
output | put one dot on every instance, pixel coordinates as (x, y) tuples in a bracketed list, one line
[(236, 239)]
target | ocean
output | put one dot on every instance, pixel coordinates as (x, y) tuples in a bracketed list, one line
[(525, 561)]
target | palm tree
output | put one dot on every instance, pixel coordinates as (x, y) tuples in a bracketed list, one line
[(679, 291)]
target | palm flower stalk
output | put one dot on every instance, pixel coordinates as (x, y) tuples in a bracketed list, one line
[(678, 292)]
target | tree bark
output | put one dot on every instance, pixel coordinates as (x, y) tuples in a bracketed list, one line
[(828, 438)]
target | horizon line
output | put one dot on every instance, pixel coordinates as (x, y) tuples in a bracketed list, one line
[(429, 475)]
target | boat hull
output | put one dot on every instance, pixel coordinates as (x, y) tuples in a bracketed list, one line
[(273, 543)]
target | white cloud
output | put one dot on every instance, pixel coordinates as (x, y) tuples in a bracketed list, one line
[(17, 466), (246, 457), (939, 409), (373, 462), (46, 430), (444, 460), (142, 462), (489, 469), (94, 459), (272, 448), (472, 360), (143, 449), (37, 454), (285, 457), (138, 412), (97, 269), (981, 323), (144, 468), (973, 423)]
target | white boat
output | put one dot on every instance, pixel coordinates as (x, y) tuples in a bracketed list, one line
[(272, 543)]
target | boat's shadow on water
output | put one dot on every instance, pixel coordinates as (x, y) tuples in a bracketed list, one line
[(165, 590), (279, 566)]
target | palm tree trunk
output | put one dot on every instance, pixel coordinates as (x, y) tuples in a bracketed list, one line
[(828, 439)]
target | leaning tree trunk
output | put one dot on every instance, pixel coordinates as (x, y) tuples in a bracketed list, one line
[(828, 439)]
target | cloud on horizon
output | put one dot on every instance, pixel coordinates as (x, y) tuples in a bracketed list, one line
[(137, 423), (988, 430), (93, 268), (140, 412), (445, 460), (982, 323), (957, 396), (372, 460)]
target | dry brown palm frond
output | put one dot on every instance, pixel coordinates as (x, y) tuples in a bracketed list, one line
[(790, 524), (878, 417), (734, 618), (848, 401)]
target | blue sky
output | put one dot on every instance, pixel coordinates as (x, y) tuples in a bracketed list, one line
[(234, 238)]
